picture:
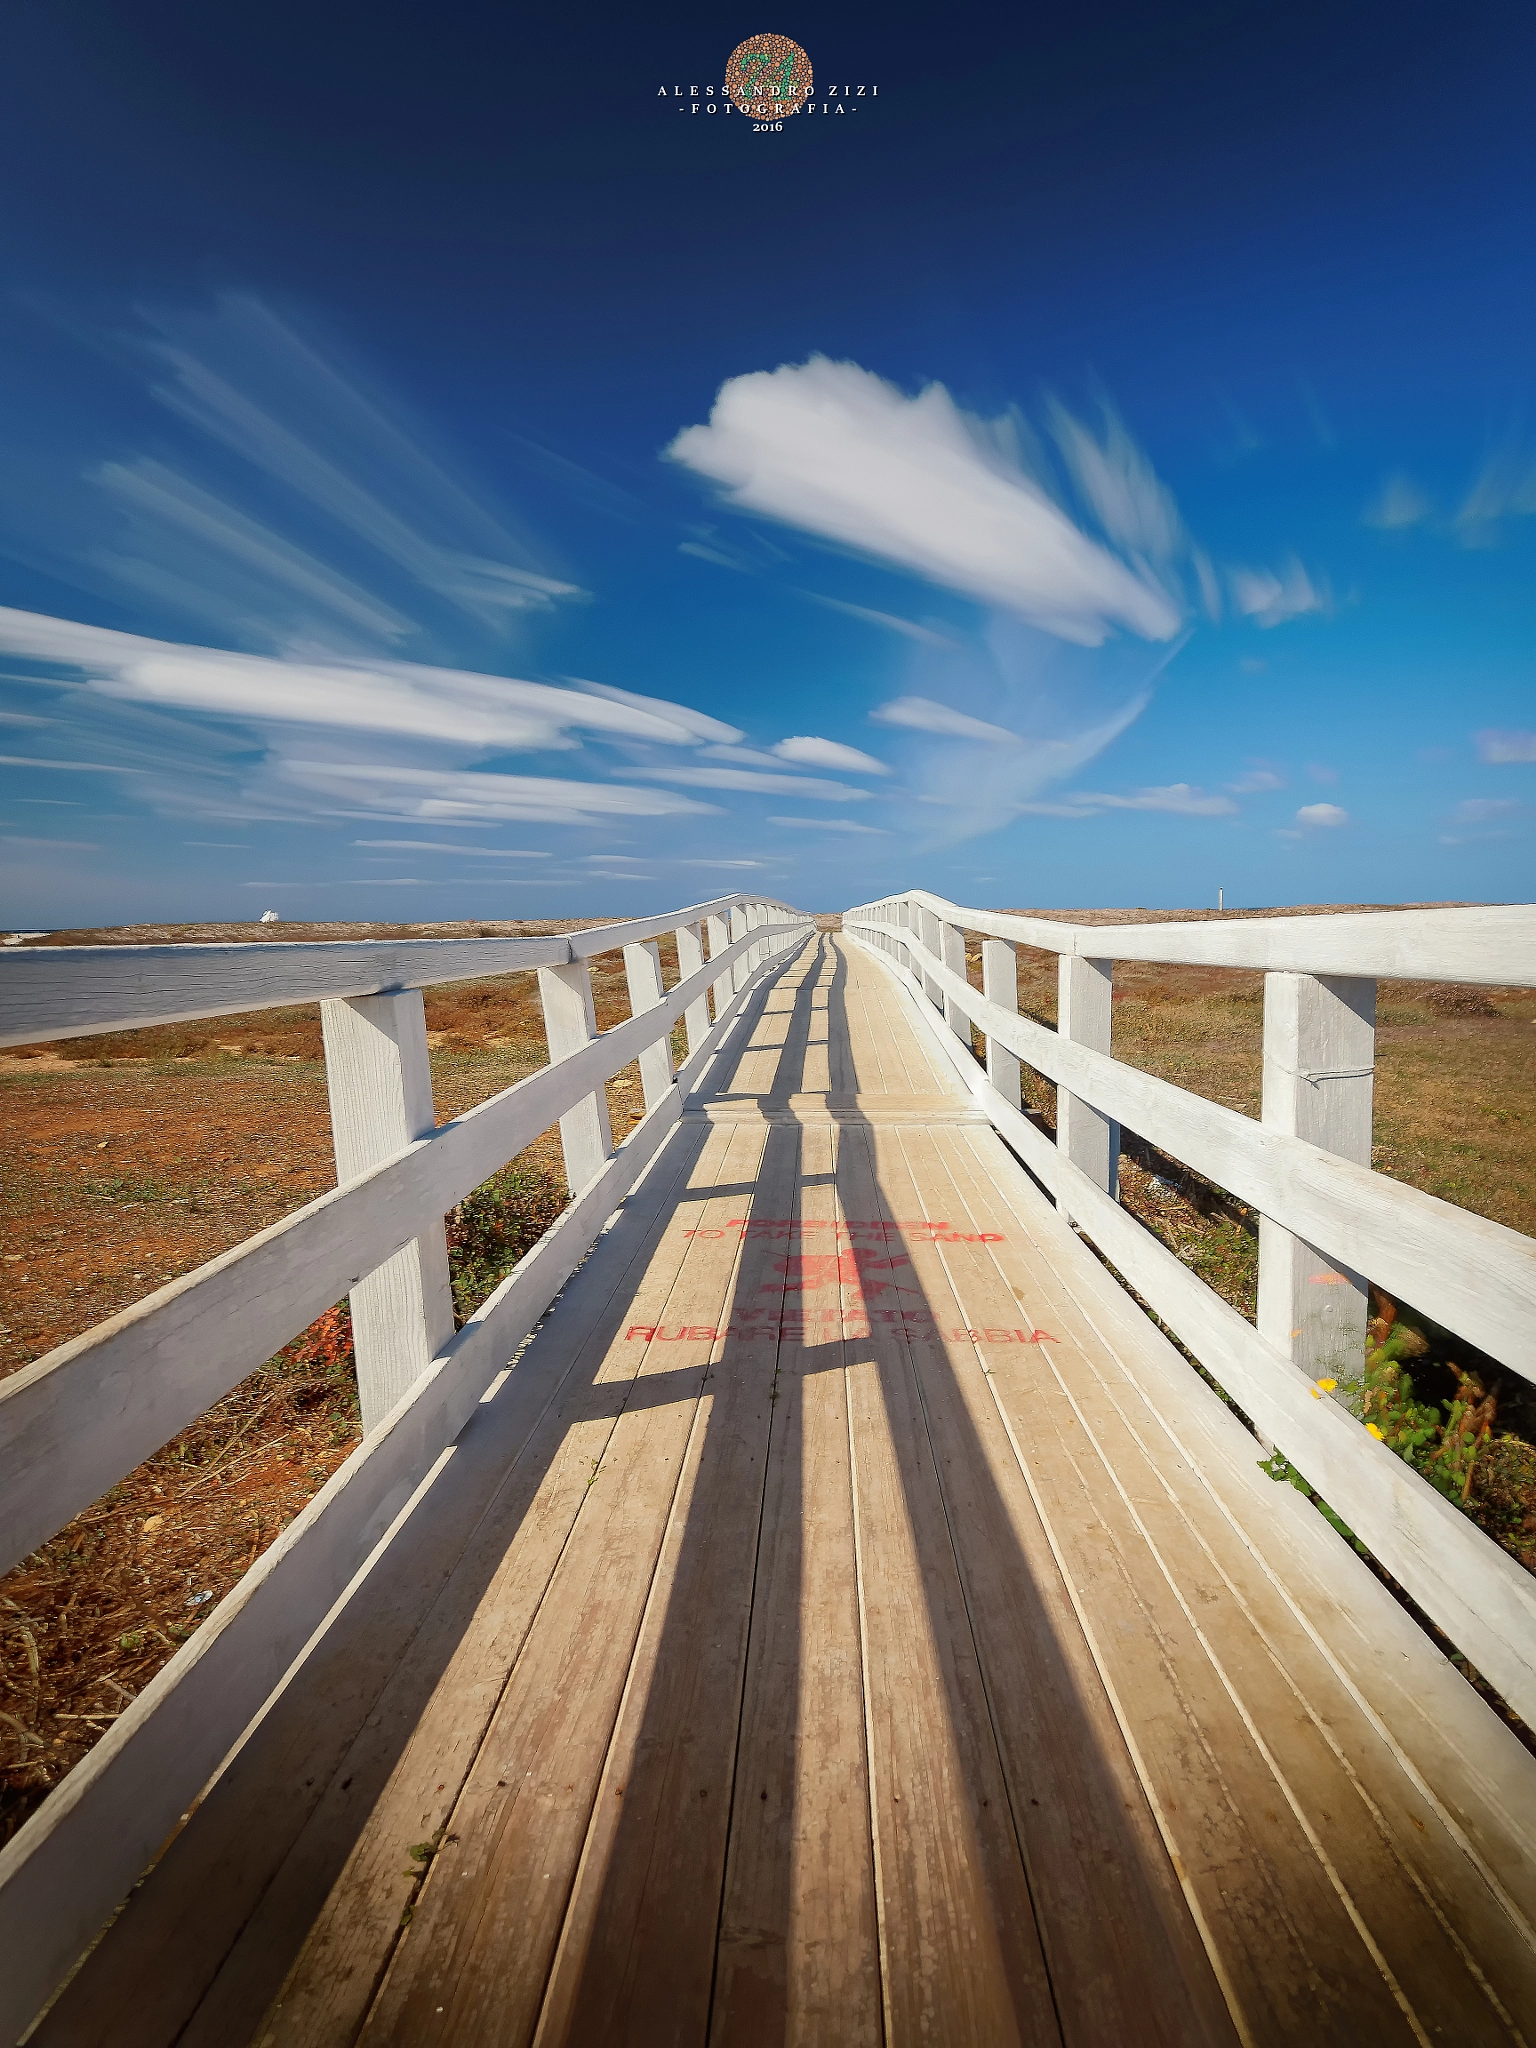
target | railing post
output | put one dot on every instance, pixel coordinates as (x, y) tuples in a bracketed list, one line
[(1319, 1060), (642, 970), (740, 923), (928, 930), (690, 958), (1000, 985), (952, 953), (570, 1022), (718, 932), (1085, 1135), (904, 924), (380, 1082)]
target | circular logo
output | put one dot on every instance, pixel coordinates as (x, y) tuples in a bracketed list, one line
[(768, 77)]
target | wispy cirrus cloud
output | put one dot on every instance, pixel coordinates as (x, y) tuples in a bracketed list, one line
[(1398, 504), (1183, 799), (1271, 599), (832, 825), (923, 714), (811, 752), (747, 780)]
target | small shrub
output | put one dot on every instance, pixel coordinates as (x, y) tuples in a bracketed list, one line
[(492, 1228)]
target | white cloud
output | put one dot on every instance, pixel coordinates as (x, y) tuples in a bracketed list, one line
[(72, 767), (746, 780), (1256, 779), (1506, 486), (447, 846), (720, 863), (908, 628), (1209, 582), (922, 714), (832, 449), (448, 796), (1182, 798), (1400, 502), (1321, 772), (1321, 817), (74, 845), (741, 757), (246, 379), (810, 752), (832, 825), (1479, 810), (1505, 747), (1271, 600), (1116, 479), (449, 706), (688, 723)]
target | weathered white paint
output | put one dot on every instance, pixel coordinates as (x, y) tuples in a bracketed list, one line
[(73, 1422), (642, 968), (1476, 1277), (1492, 943), (690, 958), (718, 932), (64, 1873), (379, 1076), (49, 992), (1319, 1057), (570, 1023), (952, 952), (1000, 985), (1091, 1140), (1485, 1602), (741, 924)]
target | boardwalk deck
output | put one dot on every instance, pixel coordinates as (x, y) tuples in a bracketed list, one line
[(850, 1622)]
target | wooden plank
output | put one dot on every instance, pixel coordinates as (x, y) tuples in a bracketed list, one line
[(1477, 1277), (1391, 1953), (1319, 1059), (960, 1953), (379, 1077), (1125, 1956), (1492, 943), (636, 1958), (642, 968), (74, 1421), (68, 991), (1477, 1593), (1458, 1758), (122, 1801), (1084, 1134), (204, 1942), (474, 1962), (332, 1984), (799, 1934)]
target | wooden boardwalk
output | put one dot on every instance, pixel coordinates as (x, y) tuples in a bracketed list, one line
[(854, 1623)]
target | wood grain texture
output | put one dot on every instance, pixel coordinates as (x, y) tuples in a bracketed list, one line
[(1476, 1277), (1478, 1594)]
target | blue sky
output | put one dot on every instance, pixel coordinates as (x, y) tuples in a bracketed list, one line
[(446, 475)]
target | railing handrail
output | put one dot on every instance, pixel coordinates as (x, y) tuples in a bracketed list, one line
[(50, 992), (1327, 1222), (1491, 943), (132, 1382)]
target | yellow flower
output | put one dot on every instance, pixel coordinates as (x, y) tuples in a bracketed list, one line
[(1375, 1432), (1327, 1385)]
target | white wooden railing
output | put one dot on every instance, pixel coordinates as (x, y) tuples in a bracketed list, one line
[(75, 1422), (1328, 1224)]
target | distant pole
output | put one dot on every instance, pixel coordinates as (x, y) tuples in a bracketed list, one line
[(1221, 902)]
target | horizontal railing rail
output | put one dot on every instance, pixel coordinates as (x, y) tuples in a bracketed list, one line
[(50, 992), (1493, 944), (1327, 1223), (77, 1420)]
